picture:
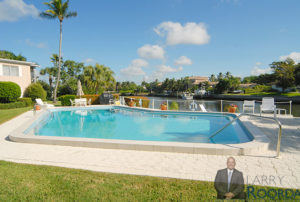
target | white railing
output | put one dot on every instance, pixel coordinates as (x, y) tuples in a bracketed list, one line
[(210, 105)]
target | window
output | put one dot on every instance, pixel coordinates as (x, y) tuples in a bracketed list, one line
[(10, 70)]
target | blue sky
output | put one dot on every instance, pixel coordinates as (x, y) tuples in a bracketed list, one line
[(149, 39)]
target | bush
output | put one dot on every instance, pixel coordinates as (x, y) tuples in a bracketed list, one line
[(35, 90), (136, 99), (174, 106), (47, 88), (26, 100), (116, 96), (12, 105), (94, 99), (258, 89), (65, 99), (9, 91), (126, 92)]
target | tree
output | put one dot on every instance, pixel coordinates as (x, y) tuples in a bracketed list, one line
[(222, 86), (212, 78), (284, 71), (297, 74), (10, 55), (220, 76), (58, 9), (228, 75), (98, 78)]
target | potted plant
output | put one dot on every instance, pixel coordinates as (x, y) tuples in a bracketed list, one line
[(131, 103), (233, 108), (163, 106)]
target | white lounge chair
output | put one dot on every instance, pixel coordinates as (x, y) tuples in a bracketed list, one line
[(43, 104), (80, 102), (202, 108), (268, 105), (72, 102), (249, 104)]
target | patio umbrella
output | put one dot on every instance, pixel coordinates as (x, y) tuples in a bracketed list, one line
[(79, 89)]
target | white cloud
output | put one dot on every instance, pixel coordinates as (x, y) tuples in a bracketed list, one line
[(36, 45), (257, 70), (167, 69), (135, 68), (183, 60), (12, 10), (293, 55), (89, 61), (190, 33), (151, 52)]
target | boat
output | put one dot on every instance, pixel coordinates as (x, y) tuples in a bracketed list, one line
[(187, 96)]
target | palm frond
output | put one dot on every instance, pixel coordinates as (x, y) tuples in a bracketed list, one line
[(71, 14), (47, 15)]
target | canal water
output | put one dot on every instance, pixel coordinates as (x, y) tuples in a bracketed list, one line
[(215, 105)]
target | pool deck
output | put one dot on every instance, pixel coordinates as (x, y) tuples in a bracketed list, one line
[(257, 168)]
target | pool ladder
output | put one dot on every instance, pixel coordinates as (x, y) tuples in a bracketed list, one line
[(245, 114)]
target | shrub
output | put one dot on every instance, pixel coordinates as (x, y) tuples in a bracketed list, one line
[(94, 99), (9, 91), (26, 100), (116, 96), (47, 88), (136, 99), (12, 105), (126, 92), (174, 106), (35, 90), (258, 89), (65, 99)]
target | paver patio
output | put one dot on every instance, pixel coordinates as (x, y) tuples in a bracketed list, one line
[(258, 169)]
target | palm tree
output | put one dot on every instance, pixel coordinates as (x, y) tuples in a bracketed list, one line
[(98, 76), (58, 9)]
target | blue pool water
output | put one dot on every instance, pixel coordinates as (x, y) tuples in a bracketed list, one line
[(126, 124)]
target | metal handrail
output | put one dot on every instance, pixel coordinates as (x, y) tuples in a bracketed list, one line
[(239, 116)]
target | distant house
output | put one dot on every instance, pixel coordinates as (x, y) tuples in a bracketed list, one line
[(196, 80), (19, 72)]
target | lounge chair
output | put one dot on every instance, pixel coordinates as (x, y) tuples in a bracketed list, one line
[(202, 108), (43, 104), (268, 105), (249, 104), (80, 102), (72, 102)]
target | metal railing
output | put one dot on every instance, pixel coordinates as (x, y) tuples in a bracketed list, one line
[(271, 118), (211, 105)]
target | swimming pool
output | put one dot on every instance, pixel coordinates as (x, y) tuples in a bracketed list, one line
[(121, 123)]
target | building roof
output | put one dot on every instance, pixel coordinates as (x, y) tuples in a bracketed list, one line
[(31, 64), (198, 79)]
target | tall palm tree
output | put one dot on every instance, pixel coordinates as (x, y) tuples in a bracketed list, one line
[(58, 9)]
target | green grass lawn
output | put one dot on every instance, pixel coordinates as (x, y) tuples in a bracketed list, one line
[(7, 114), (22, 182)]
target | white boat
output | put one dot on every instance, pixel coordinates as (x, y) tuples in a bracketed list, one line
[(187, 96)]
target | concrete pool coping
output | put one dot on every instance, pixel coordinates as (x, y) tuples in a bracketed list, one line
[(260, 142)]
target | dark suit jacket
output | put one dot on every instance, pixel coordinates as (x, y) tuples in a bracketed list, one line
[(236, 184)]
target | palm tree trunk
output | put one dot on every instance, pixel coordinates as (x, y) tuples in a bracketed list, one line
[(59, 62)]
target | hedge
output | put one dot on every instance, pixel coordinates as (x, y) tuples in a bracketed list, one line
[(22, 102), (136, 99), (9, 91), (35, 90), (65, 99)]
